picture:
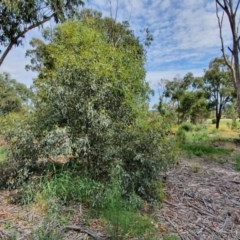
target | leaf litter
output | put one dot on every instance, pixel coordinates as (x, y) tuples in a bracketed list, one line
[(203, 201)]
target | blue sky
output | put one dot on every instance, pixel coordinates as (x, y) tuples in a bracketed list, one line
[(186, 37)]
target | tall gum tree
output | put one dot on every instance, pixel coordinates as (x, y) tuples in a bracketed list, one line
[(218, 87), (229, 8)]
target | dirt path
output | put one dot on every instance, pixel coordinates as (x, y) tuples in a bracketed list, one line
[(203, 201)]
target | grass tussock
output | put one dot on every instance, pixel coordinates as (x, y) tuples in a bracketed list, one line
[(3, 154), (108, 202)]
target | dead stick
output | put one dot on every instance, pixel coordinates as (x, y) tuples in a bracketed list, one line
[(88, 231)]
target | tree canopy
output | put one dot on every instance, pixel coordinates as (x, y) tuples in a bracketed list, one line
[(13, 95), (19, 17), (188, 98), (218, 86)]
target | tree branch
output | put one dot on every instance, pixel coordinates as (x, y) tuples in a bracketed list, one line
[(13, 41), (220, 25), (235, 12)]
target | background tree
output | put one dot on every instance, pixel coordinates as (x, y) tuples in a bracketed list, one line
[(19, 17), (13, 95), (218, 87), (190, 102), (230, 9)]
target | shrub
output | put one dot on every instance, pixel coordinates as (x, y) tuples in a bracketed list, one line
[(214, 121), (234, 124), (95, 118), (187, 126), (181, 136), (3, 154)]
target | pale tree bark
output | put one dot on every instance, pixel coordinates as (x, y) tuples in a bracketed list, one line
[(230, 10)]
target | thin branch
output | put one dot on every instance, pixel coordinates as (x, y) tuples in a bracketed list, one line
[(220, 25), (220, 4), (235, 12)]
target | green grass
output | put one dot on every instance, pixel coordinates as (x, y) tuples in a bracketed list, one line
[(200, 149), (125, 223), (206, 141), (3, 154), (105, 201), (171, 237)]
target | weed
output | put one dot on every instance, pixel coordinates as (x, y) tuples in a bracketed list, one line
[(171, 236), (181, 136), (124, 220), (7, 225), (195, 167), (47, 232), (187, 126), (67, 187), (3, 154), (234, 124), (237, 158)]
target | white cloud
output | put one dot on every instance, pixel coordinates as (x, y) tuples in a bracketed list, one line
[(156, 78), (186, 36)]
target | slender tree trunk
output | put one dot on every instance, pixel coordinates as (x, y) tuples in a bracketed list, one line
[(238, 97), (218, 118), (219, 109)]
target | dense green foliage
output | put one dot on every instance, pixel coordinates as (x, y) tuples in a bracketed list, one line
[(91, 107), (188, 100), (13, 95), (193, 98), (218, 87)]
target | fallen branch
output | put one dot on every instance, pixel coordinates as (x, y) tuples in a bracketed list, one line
[(88, 231)]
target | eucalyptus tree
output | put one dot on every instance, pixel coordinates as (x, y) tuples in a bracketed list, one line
[(218, 87), (18, 17), (188, 97), (13, 95)]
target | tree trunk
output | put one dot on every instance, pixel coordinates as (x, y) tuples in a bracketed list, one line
[(218, 115), (238, 97), (218, 118)]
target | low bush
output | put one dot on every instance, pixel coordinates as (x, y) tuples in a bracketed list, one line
[(3, 154), (187, 126), (181, 136)]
